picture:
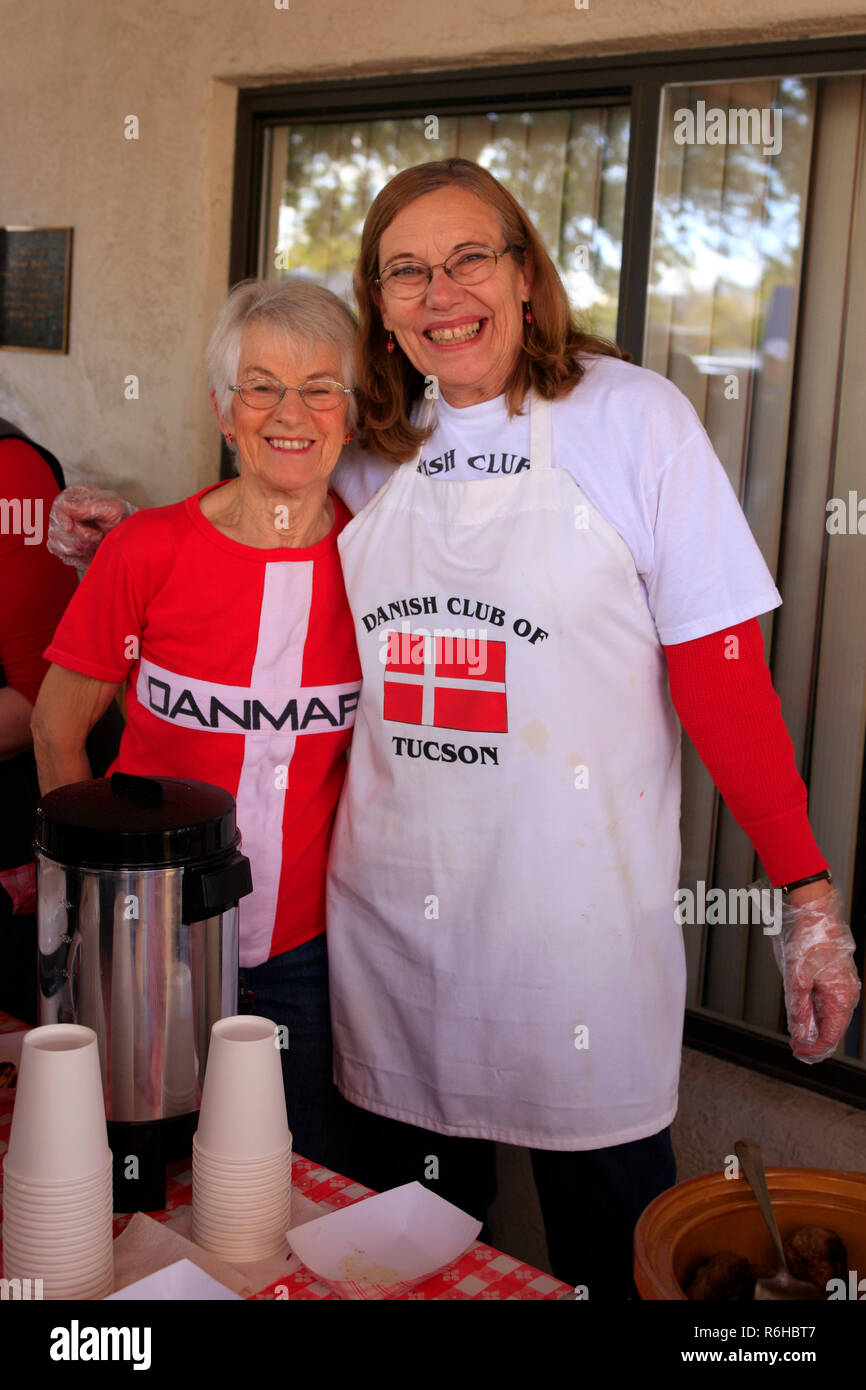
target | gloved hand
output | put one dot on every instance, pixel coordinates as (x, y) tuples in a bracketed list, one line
[(814, 951), (80, 517)]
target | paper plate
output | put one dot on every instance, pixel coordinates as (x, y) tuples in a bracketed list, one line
[(384, 1245)]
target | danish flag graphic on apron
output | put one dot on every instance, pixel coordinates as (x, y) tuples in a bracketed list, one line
[(450, 691), (504, 957)]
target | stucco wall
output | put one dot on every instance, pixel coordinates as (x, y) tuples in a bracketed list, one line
[(151, 217)]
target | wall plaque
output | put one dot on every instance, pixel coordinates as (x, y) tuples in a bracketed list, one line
[(35, 265)]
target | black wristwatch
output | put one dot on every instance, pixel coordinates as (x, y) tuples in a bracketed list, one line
[(802, 882)]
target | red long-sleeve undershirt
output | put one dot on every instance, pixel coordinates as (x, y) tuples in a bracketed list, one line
[(733, 716)]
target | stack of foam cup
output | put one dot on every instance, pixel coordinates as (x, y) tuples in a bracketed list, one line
[(242, 1150), (57, 1219)]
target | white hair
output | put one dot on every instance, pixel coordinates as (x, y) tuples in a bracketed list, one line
[(301, 310)]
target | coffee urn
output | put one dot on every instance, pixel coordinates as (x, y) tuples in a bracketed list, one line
[(138, 882)]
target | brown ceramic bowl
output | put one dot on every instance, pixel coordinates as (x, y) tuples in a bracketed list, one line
[(694, 1220)]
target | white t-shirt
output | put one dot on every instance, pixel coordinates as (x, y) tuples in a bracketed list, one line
[(637, 448)]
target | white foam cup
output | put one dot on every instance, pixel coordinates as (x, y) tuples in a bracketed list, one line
[(240, 1177), (84, 1240), (243, 1105), (58, 1125), (65, 1288), (237, 1249), (255, 1219), (263, 1238), (82, 1189), (245, 1199), (222, 1163), (76, 1280), (77, 1262), (69, 1208)]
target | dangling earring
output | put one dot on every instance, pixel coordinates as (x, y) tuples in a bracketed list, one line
[(347, 438), (390, 342), (527, 312), (229, 439)]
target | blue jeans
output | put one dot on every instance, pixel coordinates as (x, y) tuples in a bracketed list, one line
[(590, 1199), (292, 989)]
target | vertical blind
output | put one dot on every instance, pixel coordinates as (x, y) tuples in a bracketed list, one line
[(756, 309)]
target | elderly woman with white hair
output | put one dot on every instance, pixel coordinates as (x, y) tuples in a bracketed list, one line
[(225, 618)]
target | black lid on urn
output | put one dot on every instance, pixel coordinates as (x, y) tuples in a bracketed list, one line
[(126, 821)]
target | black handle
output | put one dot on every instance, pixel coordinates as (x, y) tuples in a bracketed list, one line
[(137, 788), (210, 889)]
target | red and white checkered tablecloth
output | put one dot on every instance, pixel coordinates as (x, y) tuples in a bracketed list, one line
[(480, 1273)]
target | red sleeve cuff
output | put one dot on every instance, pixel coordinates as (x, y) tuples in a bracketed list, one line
[(786, 846)]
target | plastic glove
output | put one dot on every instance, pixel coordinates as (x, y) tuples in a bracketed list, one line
[(814, 951), (79, 519)]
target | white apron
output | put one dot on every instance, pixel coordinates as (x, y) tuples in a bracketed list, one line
[(504, 957)]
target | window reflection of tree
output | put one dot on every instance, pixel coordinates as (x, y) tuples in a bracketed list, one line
[(568, 168)]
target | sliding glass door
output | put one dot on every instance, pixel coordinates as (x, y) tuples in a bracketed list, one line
[(710, 211)]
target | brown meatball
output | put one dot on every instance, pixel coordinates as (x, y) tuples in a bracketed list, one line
[(816, 1254), (723, 1277)]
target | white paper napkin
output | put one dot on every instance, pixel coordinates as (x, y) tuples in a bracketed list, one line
[(147, 1246), (183, 1280)]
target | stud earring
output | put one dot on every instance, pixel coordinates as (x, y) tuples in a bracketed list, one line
[(347, 438), (390, 342), (527, 312), (230, 439)]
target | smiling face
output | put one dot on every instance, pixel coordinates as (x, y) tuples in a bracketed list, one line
[(467, 336), (289, 447)]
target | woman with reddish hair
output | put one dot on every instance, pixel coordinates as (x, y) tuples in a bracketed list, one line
[(506, 962)]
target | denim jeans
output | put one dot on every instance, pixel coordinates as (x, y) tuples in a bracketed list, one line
[(590, 1199), (292, 989)]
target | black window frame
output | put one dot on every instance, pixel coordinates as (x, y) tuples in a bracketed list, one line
[(633, 79)]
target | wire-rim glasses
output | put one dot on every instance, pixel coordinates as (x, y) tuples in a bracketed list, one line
[(467, 265), (259, 393)]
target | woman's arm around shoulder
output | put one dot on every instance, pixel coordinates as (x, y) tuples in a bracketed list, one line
[(80, 519), (66, 710)]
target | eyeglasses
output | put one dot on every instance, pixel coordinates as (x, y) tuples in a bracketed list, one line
[(468, 266), (261, 394)]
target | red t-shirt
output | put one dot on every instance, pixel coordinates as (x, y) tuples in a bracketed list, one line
[(34, 585), (242, 671), (34, 589)]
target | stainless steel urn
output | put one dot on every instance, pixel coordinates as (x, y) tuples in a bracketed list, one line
[(138, 882)]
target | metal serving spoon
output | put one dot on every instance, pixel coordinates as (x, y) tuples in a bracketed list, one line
[(782, 1284)]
